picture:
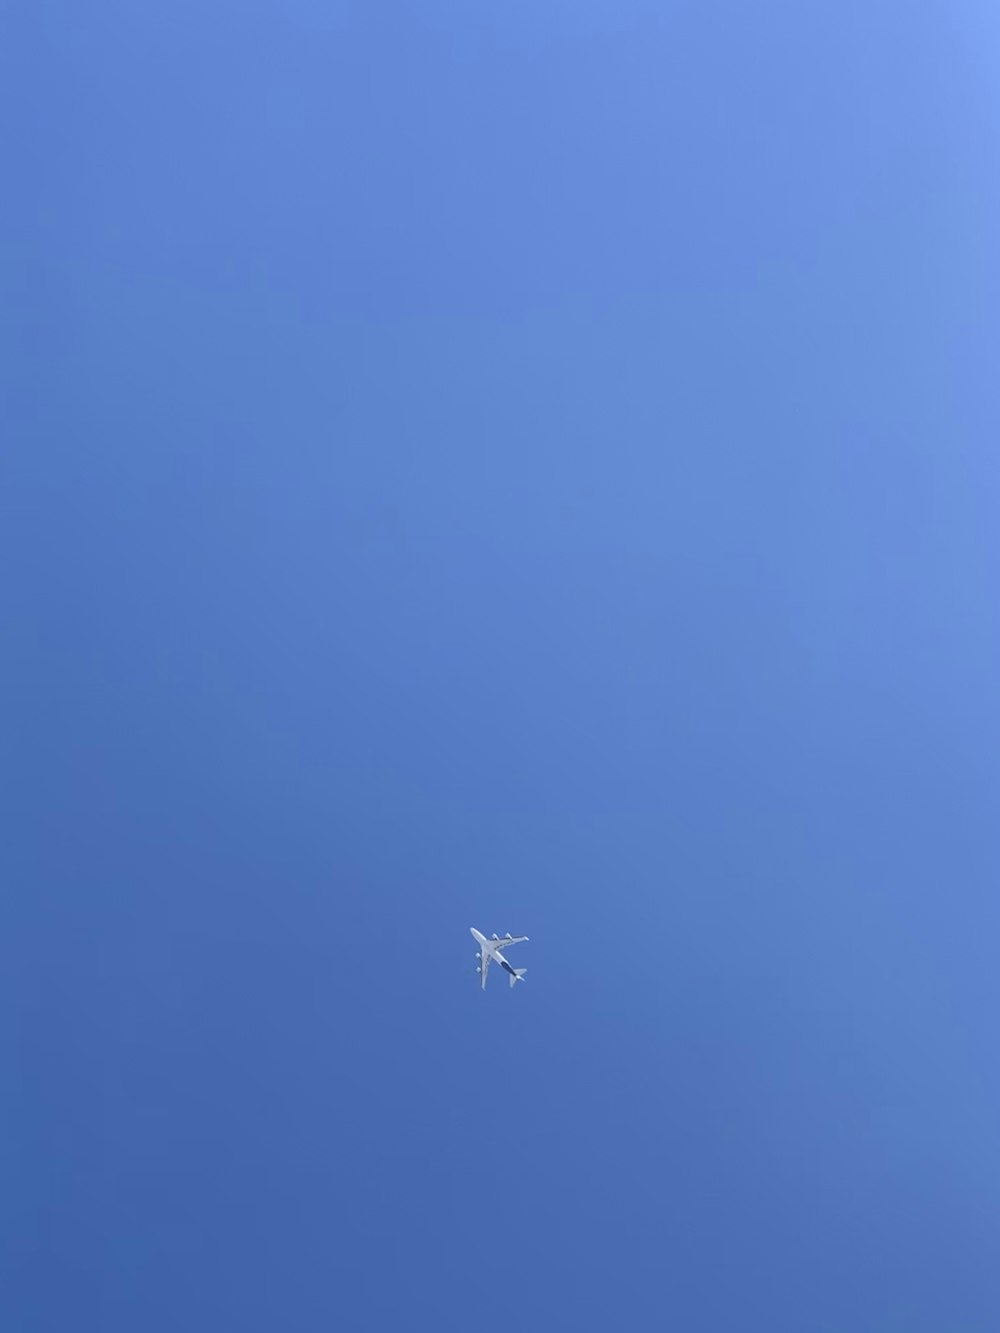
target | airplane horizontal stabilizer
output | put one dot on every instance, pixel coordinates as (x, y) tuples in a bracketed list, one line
[(517, 974)]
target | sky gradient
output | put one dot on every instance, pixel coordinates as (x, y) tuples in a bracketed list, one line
[(531, 467)]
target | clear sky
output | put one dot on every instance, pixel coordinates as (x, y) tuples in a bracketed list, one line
[(531, 466)]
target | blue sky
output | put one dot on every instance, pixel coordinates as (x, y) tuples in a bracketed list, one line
[(532, 467)]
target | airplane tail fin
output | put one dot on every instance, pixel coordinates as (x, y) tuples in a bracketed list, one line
[(517, 974)]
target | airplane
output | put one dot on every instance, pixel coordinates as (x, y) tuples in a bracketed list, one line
[(490, 949)]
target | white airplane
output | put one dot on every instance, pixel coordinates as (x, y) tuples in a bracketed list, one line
[(490, 949)]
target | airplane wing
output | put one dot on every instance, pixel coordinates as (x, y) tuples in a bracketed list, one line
[(513, 939), (484, 965)]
